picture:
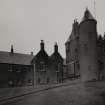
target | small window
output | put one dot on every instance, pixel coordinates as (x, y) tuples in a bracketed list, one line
[(38, 80), (10, 82), (18, 71), (10, 70), (42, 66), (76, 50), (29, 80)]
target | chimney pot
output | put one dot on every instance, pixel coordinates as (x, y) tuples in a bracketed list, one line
[(42, 45), (56, 47), (12, 50)]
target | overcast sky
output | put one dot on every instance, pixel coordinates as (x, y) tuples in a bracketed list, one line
[(24, 23)]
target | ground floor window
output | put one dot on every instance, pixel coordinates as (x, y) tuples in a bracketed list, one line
[(10, 82)]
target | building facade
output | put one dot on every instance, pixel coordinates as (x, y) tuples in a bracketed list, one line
[(18, 69), (55, 66), (47, 69), (84, 50), (40, 65), (15, 69)]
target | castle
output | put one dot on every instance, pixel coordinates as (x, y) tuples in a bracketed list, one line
[(85, 54), (85, 50)]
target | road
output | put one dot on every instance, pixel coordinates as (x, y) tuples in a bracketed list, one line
[(91, 93)]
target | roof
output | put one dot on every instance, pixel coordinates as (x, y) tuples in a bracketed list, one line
[(41, 55), (87, 15), (74, 32), (70, 37), (15, 58), (56, 57)]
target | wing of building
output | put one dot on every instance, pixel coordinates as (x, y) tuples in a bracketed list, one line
[(15, 69)]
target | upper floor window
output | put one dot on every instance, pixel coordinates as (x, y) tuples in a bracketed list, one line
[(42, 66), (18, 70), (29, 80), (67, 47), (76, 50)]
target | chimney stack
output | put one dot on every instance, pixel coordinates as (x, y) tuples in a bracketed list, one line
[(32, 53), (55, 47), (42, 45), (12, 50)]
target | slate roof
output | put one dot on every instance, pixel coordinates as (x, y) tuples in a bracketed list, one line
[(56, 57), (15, 58), (70, 37), (74, 32), (41, 56), (87, 16)]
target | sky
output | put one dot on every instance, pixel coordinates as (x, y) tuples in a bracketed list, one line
[(24, 23)]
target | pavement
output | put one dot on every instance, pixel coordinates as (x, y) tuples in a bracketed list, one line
[(12, 93), (88, 93)]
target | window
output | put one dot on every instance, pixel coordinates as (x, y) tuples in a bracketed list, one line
[(29, 80), (86, 48), (10, 82), (76, 50), (38, 80), (10, 68), (42, 66), (18, 70)]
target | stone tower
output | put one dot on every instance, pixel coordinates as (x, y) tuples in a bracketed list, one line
[(88, 47)]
